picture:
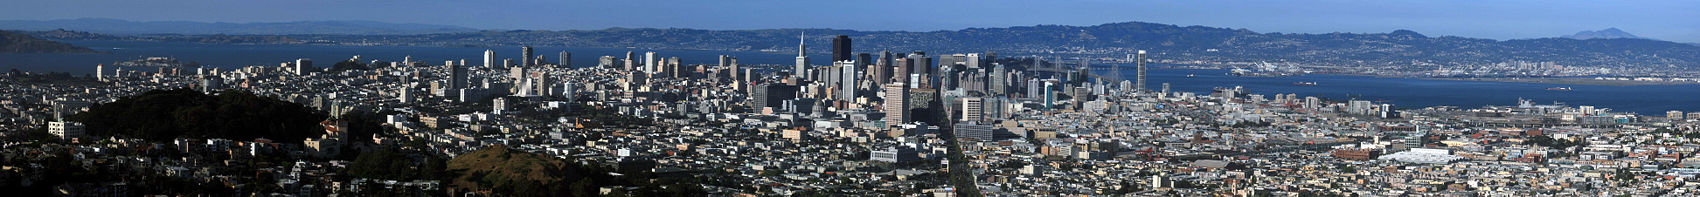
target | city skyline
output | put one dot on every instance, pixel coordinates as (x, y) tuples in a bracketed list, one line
[(1665, 20), (1118, 109)]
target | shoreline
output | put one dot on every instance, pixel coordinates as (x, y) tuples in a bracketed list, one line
[(1531, 80)]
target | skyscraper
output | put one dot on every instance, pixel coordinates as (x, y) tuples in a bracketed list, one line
[(882, 69), (100, 72), (1165, 90), (629, 62), (802, 59), (896, 104), (900, 69), (457, 77), (525, 57), (847, 83), (302, 65), (841, 48), (1050, 96), (566, 59), (724, 60), (649, 65), (1139, 83), (489, 58), (863, 60), (972, 109)]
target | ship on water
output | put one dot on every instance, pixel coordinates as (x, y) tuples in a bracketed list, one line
[(1305, 83), (1559, 89)]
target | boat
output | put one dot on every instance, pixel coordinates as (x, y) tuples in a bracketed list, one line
[(1306, 83), (1189, 76), (1559, 88)]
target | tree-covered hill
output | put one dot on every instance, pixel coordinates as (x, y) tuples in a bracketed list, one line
[(167, 114), (14, 42)]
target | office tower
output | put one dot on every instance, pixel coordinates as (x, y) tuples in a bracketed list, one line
[(649, 65), (605, 61), (771, 95), (1050, 96), (566, 60), (972, 109), (1165, 89), (841, 48), (863, 60), (498, 104), (973, 60), (673, 68), (748, 74), (896, 104), (882, 69), (724, 60), (525, 56), (489, 58), (802, 59), (919, 63), (1673, 115), (1139, 83), (900, 69), (847, 80), (302, 65), (629, 62), (516, 74), (457, 77), (998, 80), (100, 72), (733, 70)]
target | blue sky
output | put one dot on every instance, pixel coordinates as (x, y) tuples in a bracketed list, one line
[(1660, 19)]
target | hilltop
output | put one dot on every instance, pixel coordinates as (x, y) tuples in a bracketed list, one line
[(15, 42), (507, 171), (183, 113), (340, 27), (1608, 33)]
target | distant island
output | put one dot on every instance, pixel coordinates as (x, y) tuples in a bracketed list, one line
[(14, 42)]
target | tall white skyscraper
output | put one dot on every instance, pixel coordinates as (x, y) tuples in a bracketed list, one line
[(802, 59), (847, 83), (649, 65), (489, 58), (1139, 83), (100, 72)]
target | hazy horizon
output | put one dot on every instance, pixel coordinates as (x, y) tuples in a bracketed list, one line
[(1664, 20)]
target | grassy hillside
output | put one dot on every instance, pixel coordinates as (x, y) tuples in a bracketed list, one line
[(13, 42)]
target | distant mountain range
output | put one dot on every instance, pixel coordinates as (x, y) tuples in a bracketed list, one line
[(124, 27), (1608, 33), (13, 42), (1401, 49)]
